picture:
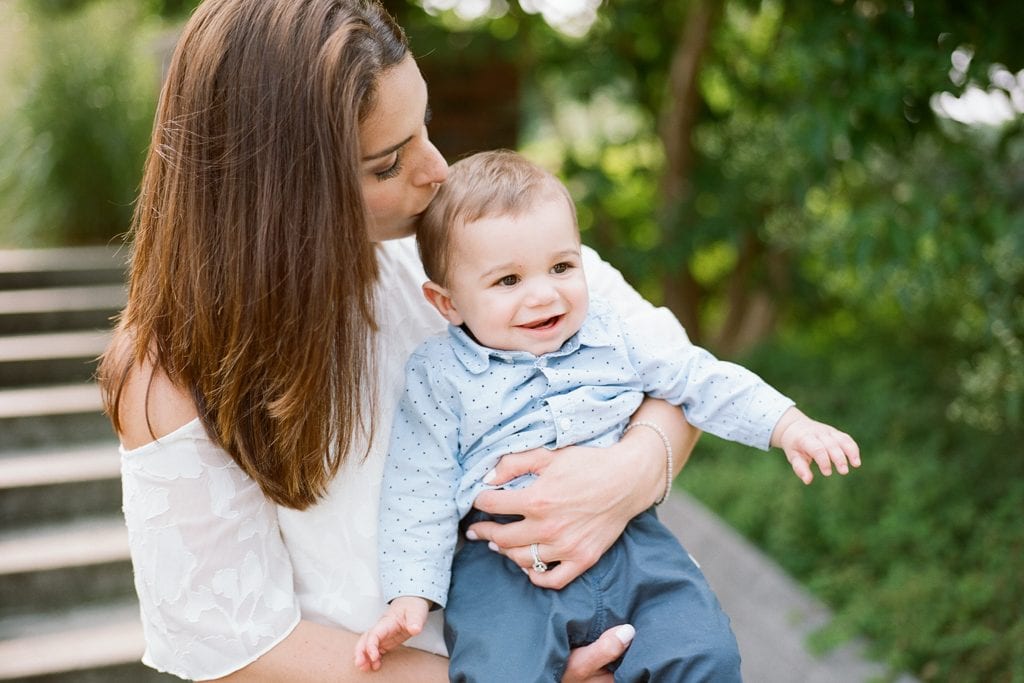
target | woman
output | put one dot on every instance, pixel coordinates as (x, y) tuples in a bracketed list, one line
[(255, 368)]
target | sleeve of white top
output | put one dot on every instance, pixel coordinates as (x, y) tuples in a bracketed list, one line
[(213, 577), (657, 323)]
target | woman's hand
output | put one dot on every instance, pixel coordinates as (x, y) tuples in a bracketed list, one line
[(582, 497), (573, 511), (587, 664)]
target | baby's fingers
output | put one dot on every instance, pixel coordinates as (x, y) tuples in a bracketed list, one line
[(802, 469), (842, 450), (850, 448), (819, 452), (838, 458), (367, 653)]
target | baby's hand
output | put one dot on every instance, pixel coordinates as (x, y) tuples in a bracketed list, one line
[(403, 619), (805, 441)]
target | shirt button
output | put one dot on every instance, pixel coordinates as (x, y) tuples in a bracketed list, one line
[(565, 422)]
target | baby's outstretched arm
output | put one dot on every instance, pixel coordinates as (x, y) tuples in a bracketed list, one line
[(403, 619), (805, 441)]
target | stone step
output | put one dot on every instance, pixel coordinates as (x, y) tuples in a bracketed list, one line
[(49, 358), (47, 486), (54, 568), (100, 644), (56, 309), (41, 417), (33, 268)]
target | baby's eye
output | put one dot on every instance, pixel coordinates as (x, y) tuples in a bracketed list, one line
[(508, 281), (560, 268)]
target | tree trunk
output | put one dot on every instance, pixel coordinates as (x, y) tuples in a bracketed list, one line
[(739, 294), (682, 292)]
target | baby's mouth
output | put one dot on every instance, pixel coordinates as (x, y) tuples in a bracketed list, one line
[(543, 324)]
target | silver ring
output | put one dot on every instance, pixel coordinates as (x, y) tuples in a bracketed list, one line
[(538, 564)]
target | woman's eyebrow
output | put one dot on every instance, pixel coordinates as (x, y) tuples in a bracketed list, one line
[(390, 150)]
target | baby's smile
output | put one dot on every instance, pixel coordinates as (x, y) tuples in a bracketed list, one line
[(543, 324)]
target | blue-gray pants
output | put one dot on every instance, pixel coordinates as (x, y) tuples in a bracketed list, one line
[(500, 627)]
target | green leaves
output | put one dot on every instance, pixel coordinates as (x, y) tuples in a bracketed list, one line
[(921, 549), (75, 129)]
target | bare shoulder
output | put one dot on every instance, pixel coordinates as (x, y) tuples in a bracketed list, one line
[(152, 406)]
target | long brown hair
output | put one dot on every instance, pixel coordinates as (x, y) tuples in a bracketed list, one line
[(252, 274)]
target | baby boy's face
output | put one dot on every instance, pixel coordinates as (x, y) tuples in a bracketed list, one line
[(517, 282)]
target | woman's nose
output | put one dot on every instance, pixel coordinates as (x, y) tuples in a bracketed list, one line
[(434, 168)]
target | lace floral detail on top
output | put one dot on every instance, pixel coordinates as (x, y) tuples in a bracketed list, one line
[(213, 577)]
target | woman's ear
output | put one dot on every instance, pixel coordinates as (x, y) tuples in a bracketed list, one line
[(440, 299)]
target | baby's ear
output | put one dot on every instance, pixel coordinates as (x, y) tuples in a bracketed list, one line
[(440, 299)]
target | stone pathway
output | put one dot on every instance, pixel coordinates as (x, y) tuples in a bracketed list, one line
[(771, 614)]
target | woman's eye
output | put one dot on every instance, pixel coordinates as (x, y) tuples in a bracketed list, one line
[(508, 280), (392, 170)]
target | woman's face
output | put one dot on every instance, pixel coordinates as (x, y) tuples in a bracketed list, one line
[(400, 168)]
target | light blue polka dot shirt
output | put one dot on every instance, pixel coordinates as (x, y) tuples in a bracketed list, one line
[(466, 405)]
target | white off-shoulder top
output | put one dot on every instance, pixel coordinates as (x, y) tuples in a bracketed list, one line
[(223, 574)]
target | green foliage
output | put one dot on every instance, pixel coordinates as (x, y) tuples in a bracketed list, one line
[(922, 548), (50, 9), (932, 249), (74, 131), (817, 148)]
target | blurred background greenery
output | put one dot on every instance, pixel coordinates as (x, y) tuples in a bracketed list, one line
[(829, 192)]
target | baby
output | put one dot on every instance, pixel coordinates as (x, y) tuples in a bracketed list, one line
[(529, 360)]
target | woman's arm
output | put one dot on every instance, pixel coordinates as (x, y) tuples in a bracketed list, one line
[(313, 653), (681, 434), (310, 652), (317, 653), (583, 497)]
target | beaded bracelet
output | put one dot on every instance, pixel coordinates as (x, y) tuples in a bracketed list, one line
[(668, 455)]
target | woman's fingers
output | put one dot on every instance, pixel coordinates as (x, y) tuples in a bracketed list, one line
[(523, 555), (557, 577), (557, 574), (517, 464), (503, 502), (587, 664), (518, 534), (577, 505)]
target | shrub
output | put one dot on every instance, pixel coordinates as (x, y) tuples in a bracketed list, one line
[(922, 549), (74, 129)]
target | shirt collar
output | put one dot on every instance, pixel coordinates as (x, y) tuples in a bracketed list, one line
[(477, 358)]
